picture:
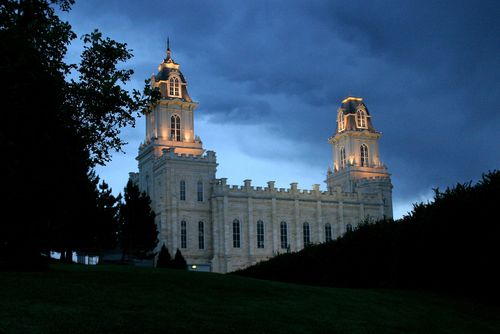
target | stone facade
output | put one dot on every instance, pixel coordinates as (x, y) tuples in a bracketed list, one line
[(221, 228)]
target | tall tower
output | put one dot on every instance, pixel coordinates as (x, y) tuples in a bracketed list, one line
[(356, 161), (170, 124)]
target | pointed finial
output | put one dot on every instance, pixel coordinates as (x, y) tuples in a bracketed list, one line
[(168, 47)]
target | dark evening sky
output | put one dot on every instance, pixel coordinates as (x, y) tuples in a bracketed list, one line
[(270, 75)]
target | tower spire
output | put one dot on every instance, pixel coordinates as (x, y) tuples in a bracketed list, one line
[(168, 48)]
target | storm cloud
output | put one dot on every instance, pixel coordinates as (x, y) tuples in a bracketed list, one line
[(428, 72)]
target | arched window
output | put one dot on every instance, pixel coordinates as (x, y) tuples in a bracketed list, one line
[(183, 234), (175, 128), (283, 235), (341, 121), (307, 234), (173, 84), (236, 234), (342, 157), (182, 190), (364, 155), (201, 235), (260, 234), (200, 191), (361, 119), (348, 228), (328, 232)]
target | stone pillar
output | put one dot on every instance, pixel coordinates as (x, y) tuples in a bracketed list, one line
[(341, 218), (298, 234), (319, 220), (215, 235), (275, 226), (250, 228), (225, 237)]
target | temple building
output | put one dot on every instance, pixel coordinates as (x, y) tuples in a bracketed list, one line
[(222, 228)]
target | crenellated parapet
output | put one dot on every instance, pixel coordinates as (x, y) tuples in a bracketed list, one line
[(169, 154), (221, 188)]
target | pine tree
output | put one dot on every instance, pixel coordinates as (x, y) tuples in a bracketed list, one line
[(138, 232), (164, 258), (179, 261)]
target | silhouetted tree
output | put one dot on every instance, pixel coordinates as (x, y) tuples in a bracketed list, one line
[(164, 258), (68, 126), (450, 244), (108, 217), (179, 261), (138, 232)]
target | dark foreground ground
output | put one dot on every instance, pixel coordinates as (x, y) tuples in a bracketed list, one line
[(122, 299)]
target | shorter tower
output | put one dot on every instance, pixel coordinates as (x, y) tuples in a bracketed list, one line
[(356, 160)]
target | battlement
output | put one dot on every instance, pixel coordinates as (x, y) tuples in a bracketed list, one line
[(169, 154), (221, 188)]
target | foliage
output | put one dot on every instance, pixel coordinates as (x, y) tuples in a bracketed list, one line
[(451, 244), (56, 130), (179, 261), (164, 258), (138, 232)]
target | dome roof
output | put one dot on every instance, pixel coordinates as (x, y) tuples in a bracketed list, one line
[(349, 108), (167, 69), (351, 105)]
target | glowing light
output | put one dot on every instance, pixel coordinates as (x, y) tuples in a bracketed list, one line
[(194, 266), (352, 98)]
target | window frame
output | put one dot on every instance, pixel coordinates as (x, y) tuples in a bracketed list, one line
[(174, 87), (199, 190), (361, 119), (328, 232), (363, 154), (236, 233), (183, 234), (201, 235), (284, 235), (343, 160), (182, 190), (306, 234), (175, 127), (260, 234)]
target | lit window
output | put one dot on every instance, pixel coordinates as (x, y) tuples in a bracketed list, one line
[(328, 232), (260, 234), (284, 235), (201, 235), (361, 119), (200, 191), (175, 128), (348, 228), (307, 234), (364, 155), (183, 234), (342, 157), (341, 121), (173, 84), (183, 190), (236, 234)]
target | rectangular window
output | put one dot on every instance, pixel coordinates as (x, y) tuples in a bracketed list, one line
[(201, 235), (236, 233), (200, 191), (307, 235), (260, 234), (183, 234), (183, 190), (283, 235), (328, 232)]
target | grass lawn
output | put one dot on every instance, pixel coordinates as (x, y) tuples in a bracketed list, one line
[(122, 299)]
